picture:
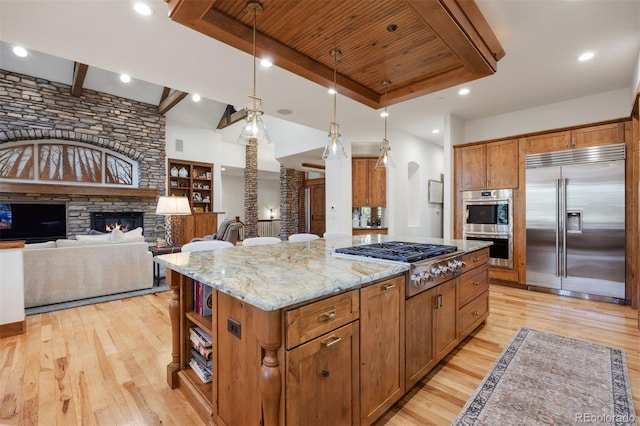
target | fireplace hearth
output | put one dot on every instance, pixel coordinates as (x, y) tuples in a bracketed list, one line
[(124, 221)]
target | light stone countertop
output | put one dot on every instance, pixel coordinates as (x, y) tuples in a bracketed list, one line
[(275, 276)]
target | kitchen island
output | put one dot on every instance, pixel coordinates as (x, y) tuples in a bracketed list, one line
[(300, 336)]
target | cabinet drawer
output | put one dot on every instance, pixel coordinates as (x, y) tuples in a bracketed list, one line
[(310, 321), (471, 315), (475, 258), (472, 284)]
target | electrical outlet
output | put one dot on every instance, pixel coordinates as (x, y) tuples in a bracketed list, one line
[(234, 327)]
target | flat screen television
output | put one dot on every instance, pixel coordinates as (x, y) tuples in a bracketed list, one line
[(33, 222)]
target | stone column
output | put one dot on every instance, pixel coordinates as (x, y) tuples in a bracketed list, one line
[(251, 190), (291, 182)]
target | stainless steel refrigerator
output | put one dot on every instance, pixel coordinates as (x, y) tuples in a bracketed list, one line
[(575, 222)]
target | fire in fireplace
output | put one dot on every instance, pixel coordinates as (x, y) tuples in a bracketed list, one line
[(124, 221)]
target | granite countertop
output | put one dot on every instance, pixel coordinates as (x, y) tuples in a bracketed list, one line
[(275, 276)]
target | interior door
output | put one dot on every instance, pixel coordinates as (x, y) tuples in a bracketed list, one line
[(316, 209), (542, 230)]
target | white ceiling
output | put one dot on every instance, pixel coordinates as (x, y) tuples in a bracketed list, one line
[(542, 39)]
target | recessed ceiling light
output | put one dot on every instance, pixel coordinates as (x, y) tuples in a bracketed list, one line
[(586, 56), (384, 114), (435, 131), (265, 62), (20, 51), (463, 91), (125, 78), (284, 111), (332, 91), (143, 8), (195, 97), (222, 169)]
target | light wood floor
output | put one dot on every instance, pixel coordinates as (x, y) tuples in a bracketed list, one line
[(105, 364)]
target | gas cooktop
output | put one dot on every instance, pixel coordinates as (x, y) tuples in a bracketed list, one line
[(399, 251)]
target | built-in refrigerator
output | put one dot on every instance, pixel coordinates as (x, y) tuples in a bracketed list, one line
[(575, 219)]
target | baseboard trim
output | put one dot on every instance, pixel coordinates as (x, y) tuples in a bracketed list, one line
[(13, 328)]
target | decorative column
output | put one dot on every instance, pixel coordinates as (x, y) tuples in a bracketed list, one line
[(291, 182), (251, 190)]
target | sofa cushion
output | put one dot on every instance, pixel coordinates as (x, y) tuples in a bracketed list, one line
[(134, 235), (95, 238), (48, 244), (75, 243)]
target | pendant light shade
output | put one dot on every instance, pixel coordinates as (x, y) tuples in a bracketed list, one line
[(384, 158), (334, 150), (254, 127)]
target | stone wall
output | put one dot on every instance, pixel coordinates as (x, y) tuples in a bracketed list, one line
[(36, 109), (291, 185)]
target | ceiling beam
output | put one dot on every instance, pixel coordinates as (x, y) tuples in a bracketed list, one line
[(231, 116), (77, 81), (169, 99)]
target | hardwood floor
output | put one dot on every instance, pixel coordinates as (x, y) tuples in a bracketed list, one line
[(106, 363)]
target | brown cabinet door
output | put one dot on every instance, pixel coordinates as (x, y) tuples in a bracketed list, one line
[(205, 224), (548, 142), (419, 336), (359, 182), (317, 209), (445, 318), (502, 164), (377, 185), (605, 134), (323, 381), (471, 162), (382, 347)]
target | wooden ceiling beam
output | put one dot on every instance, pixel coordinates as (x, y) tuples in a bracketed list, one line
[(169, 99), (228, 118), (77, 81)]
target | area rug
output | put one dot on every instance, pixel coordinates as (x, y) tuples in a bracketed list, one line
[(543, 378)]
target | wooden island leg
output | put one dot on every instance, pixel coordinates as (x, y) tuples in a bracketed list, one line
[(173, 281), (270, 375)]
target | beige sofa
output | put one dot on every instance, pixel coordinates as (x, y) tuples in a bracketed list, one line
[(71, 270)]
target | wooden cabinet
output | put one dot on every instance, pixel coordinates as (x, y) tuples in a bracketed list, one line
[(585, 137), (368, 184), (370, 231), (420, 357), (445, 315), (473, 292), (193, 180), (198, 225), (382, 347), (487, 166)]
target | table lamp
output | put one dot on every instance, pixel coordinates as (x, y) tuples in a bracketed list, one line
[(172, 207)]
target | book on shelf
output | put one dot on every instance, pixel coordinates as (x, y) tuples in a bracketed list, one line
[(201, 336), (202, 299), (201, 359), (200, 372)]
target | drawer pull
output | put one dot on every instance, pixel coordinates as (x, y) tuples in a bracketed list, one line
[(437, 302), (330, 341), (327, 316), (388, 287), (476, 259), (325, 373), (476, 283), (476, 313)]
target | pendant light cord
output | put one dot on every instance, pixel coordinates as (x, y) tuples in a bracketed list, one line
[(254, 51), (335, 89)]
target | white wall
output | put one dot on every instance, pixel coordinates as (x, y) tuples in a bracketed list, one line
[(233, 197), (635, 83), (11, 286), (453, 134), (588, 109)]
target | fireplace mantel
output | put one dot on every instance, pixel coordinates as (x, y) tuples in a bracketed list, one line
[(39, 188)]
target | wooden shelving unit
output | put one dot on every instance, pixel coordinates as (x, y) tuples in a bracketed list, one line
[(193, 180)]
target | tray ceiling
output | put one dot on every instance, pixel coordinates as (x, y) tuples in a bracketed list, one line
[(436, 44)]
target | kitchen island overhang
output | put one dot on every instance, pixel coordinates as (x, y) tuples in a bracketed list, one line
[(262, 285)]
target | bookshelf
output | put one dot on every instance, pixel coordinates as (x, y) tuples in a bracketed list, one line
[(193, 180)]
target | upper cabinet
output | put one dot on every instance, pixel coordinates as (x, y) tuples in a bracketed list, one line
[(604, 134), (487, 166), (368, 184), (193, 180)]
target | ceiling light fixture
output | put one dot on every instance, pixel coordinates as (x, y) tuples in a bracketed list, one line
[(384, 158), (266, 63), (463, 91), (254, 127), (20, 51), (586, 56), (125, 78), (435, 131), (334, 149), (142, 8), (195, 97)]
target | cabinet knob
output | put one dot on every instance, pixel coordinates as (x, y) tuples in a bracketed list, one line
[(476, 313), (476, 283), (327, 316), (325, 373)]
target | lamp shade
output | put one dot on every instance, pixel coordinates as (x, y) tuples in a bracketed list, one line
[(173, 205)]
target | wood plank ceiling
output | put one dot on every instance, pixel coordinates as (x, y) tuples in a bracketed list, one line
[(436, 43)]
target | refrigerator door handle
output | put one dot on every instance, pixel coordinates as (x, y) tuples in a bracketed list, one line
[(558, 213), (563, 225)]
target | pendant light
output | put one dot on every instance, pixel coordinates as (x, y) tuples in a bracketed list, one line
[(334, 149), (384, 159), (254, 127)]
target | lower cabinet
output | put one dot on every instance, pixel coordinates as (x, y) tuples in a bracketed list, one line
[(323, 381), (381, 347), (420, 357), (445, 314)]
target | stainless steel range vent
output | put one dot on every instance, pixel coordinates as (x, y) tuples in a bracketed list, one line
[(577, 156)]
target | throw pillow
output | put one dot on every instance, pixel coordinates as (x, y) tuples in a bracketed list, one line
[(45, 245), (93, 238), (117, 236)]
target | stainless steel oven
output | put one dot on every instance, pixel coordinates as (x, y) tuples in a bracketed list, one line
[(488, 216)]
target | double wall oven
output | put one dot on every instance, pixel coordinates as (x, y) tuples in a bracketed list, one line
[(488, 216)]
